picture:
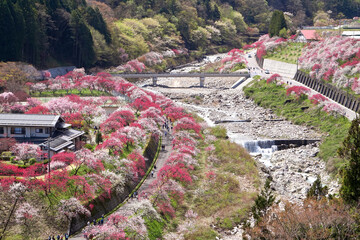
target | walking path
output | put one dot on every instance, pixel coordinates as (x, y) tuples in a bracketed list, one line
[(160, 162)]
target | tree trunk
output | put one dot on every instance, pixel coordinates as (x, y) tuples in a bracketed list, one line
[(8, 220)]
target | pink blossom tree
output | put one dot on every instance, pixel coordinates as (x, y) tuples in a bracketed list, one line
[(187, 123), (137, 164), (25, 151), (26, 216), (72, 208), (86, 157)]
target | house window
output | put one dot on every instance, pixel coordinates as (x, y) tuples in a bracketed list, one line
[(39, 130), (47, 130), (17, 130), (1, 130)]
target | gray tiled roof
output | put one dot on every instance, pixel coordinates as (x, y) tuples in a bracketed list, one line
[(27, 120), (62, 139)]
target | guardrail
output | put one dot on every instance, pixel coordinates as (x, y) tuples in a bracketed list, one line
[(338, 95)]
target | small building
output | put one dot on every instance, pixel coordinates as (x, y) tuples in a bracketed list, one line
[(351, 34), (307, 35), (44, 130)]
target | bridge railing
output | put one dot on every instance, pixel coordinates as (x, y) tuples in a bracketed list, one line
[(202, 76), (150, 75)]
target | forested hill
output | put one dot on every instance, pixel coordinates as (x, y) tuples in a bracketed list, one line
[(37, 31), (106, 33), (338, 8)]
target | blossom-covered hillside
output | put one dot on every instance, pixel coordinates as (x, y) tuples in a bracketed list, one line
[(336, 60)]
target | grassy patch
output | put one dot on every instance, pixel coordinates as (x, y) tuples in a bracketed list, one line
[(288, 53), (219, 132), (201, 233), (336, 127), (234, 158), (59, 93), (155, 228), (222, 197)]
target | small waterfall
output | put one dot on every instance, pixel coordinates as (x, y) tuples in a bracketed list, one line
[(261, 146)]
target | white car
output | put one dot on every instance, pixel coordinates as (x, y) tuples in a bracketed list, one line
[(267, 72)]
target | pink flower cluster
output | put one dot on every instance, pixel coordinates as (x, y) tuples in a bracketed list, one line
[(127, 126), (298, 91), (317, 98), (273, 78), (333, 59), (235, 56), (266, 44)]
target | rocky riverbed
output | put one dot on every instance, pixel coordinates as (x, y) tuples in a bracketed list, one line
[(292, 170)]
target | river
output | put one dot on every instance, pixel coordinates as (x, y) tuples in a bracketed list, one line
[(293, 170)]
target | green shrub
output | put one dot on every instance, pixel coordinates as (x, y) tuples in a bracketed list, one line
[(201, 233), (32, 161), (6, 155), (12, 159), (89, 146), (226, 223), (219, 132), (155, 228)]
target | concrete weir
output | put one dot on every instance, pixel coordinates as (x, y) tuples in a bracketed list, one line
[(269, 146), (285, 144)]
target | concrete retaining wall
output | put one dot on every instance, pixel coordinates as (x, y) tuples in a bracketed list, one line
[(260, 61), (104, 205), (282, 68), (329, 91)]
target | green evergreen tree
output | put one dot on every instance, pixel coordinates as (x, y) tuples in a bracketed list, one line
[(350, 151), (317, 190), (208, 9), (95, 19), (18, 34), (263, 201), (216, 13), (98, 138), (31, 34), (277, 22), (83, 42), (9, 46)]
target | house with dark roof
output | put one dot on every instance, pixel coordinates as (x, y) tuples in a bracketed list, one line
[(48, 131)]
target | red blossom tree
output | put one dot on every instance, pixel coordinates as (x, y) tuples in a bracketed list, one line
[(137, 164), (38, 110), (66, 157), (317, 98), (273, 78), (175, 172), (187, 123), (298, 91)]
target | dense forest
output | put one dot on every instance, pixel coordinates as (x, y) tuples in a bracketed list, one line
[(109, 32)]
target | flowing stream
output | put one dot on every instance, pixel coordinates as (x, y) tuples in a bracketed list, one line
[(254, 147), (292, 169)]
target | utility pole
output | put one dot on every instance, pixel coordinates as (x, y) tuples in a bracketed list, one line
[(49, 158)]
